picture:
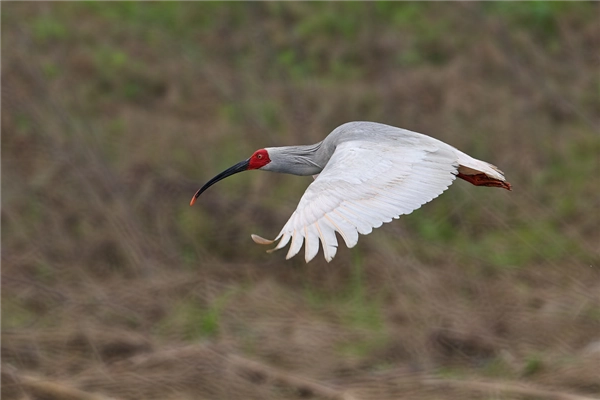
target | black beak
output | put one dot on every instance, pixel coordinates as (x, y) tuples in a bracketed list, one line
[(239, 167)]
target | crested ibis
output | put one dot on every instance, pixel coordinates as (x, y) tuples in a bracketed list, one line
[(366, 173)]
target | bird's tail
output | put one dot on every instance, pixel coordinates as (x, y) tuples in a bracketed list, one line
[(480, 173)]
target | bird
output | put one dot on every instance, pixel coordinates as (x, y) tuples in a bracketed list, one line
[(366, 174)]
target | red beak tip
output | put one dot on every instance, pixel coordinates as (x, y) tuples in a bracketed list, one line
[(192, 201)]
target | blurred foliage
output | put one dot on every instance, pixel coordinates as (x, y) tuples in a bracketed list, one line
[(192, 320), (115, 113), (541, 17), (306, 52)]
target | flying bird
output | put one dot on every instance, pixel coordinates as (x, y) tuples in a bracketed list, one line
[(366, 173)]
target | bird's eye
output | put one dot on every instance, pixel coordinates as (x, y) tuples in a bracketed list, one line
[(259, 156)]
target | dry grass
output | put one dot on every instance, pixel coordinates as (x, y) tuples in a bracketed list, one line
[(112, 287)]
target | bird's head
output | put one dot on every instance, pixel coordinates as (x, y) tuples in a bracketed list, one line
[(257, 160)]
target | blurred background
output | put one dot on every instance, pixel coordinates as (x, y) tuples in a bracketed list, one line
[(114, 114)]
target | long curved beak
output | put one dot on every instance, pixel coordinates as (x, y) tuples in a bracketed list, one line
[(239, 167)]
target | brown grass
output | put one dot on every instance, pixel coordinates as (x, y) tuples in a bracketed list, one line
[(112, 287)]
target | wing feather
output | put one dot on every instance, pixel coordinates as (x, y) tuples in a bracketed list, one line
[(366, 184), (311, 236), (345, 228), (297, 239)]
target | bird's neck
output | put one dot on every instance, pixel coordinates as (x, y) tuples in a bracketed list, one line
[(296, 160)]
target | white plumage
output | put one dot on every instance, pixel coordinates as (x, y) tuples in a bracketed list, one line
[(369, 174)]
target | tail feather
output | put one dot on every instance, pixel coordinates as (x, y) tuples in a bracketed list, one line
[(484, 180), (471, 166), (480, 173)]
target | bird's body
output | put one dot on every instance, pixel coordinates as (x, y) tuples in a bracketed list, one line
[(368, 174)]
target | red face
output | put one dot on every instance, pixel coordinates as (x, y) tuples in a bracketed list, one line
[(259, 159)]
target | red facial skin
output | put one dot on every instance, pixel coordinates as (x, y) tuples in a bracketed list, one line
[(259, 159)]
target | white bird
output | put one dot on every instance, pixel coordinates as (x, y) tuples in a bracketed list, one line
[(368, 174)]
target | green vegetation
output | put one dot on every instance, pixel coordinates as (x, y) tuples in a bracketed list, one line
[(355, 307), (541, 17), (534, 365), (47, 29), (16, 315), (194, 321)]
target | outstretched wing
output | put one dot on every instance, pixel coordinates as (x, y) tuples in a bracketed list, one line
[(365, 184)]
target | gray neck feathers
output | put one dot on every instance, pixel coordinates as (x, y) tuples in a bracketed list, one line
[(296, 160)]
